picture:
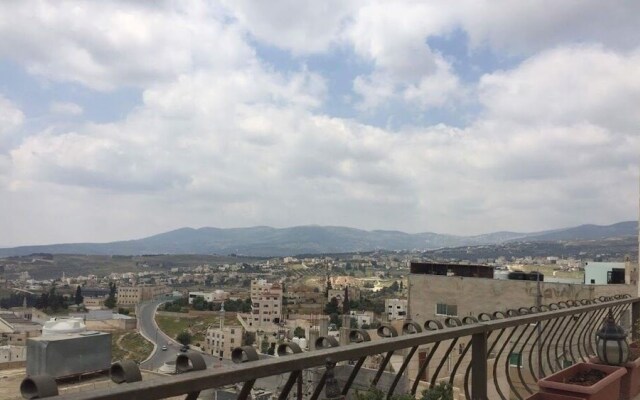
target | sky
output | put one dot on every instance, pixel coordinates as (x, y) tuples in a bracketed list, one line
[(123, 119)]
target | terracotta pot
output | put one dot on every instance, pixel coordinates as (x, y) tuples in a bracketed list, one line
[(630, 383), (607, 388), (552, 396)]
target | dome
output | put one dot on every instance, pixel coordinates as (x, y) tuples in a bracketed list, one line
[(56, 326)]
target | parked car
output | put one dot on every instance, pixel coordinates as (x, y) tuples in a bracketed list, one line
[(184, 348)]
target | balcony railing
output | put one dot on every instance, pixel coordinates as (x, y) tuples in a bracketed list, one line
[(497, 355)]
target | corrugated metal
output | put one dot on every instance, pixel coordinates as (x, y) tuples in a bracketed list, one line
[(68, 355)]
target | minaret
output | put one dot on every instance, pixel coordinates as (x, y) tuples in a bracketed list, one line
[(221, 316)]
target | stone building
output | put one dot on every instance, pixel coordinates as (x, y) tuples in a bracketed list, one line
[(132, 295), (221, 341)]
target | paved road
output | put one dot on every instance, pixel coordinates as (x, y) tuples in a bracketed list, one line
[(148, 328)]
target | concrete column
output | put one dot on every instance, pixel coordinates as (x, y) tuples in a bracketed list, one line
[(314, 334), (324, 326)]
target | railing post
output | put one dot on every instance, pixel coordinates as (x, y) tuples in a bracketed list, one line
[(635, 320), (479, 366)]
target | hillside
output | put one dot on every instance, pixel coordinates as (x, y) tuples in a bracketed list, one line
[(267, 241)]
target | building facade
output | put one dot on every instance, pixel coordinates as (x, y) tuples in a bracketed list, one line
[(132, 295), (395, 309), (467, 290), (221, 341), (266, 303)]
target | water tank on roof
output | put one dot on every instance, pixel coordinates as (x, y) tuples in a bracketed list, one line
[(517, 275), (535, 276), (57, 326)]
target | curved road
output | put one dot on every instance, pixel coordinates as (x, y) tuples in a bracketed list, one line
[(149, 329)]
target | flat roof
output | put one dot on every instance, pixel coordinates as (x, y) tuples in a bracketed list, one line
[(68, 336), (466, 270)]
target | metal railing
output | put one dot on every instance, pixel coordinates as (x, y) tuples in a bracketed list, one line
[(497, 355)]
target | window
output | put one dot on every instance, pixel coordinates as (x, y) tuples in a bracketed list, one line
[(515, 360), (449, 310)]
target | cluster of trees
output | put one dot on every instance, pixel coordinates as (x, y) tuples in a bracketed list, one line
[(51, 301), (200, 304), (179, 305), (239, 305), (17, 300)]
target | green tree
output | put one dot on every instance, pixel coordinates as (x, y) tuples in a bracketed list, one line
[(332, 307), (78, 297), (394, 286), (110, 302), (335, 319), (298, 332), (199, 304), (184, 338)]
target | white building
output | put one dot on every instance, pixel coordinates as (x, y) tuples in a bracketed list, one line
[(395, 309), (363, 317), (266, 303), (603, 273)]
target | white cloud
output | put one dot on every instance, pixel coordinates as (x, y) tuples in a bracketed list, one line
[(221, 138), (301, 26), (103, 45), (253, 157), (66, 108), (528, 26), (568, 85), (10, 116)]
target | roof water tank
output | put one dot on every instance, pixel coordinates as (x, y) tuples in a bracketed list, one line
[(57, 326)]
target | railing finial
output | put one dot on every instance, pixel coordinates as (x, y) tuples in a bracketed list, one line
[(331, 389)]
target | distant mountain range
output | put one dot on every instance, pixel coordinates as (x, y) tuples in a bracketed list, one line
[(267, 241)]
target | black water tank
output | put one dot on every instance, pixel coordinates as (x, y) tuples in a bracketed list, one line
[(533, 276), (517, 275)]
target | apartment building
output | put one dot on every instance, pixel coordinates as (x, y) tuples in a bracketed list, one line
[(266, 303)]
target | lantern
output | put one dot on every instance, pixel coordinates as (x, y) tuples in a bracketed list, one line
[(611, 343)]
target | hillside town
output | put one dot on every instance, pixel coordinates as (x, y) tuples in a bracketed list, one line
[(153, 312)]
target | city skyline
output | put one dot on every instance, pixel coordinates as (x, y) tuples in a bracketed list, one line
[(122, 120)]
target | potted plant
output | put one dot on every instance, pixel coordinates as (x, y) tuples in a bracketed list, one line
[(585, 381), (630, 383)]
